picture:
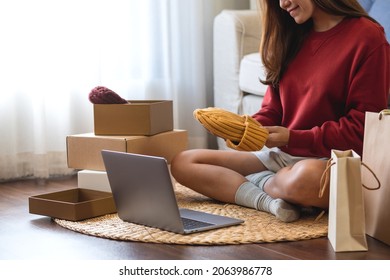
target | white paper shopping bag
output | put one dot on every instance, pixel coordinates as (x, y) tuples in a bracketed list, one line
[(346, 220)]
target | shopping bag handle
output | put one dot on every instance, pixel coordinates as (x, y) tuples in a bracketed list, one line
[(324, 181), (384, 113), (376, 178)]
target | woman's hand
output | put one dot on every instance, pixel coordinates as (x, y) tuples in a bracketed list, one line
[(278, 136)]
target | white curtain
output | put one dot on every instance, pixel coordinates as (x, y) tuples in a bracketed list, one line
[(53, 52)]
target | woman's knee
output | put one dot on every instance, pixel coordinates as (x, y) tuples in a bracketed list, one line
[(181, 161), (300, 181)]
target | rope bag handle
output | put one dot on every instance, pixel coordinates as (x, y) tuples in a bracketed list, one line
[(384, 112), (325, 177)]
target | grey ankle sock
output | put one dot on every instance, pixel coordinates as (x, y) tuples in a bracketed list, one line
[(250, 195), (284, 211)]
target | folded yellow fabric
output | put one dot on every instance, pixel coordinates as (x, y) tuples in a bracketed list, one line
[(242, 133)]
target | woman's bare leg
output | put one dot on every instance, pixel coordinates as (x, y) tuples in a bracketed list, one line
[(299, 184), (215, 173), (221, 175)]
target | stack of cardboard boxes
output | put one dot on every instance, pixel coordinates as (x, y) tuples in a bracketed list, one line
[(142, 127)]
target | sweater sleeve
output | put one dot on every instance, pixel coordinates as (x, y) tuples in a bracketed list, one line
[(368, 91)]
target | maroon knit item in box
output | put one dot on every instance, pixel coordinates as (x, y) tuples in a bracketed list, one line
[(103, 95)]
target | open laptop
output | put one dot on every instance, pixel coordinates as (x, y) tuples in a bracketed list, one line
[(143, 193)]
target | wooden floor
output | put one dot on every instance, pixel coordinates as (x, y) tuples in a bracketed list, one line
[(28, 236)]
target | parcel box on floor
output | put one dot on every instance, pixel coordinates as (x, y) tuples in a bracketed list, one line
[(84, 150), (74, 204), (93, 180), (146, 117)]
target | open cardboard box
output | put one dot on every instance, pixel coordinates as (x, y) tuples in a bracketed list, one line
[(84, 150), (138, 117), (74, 204)]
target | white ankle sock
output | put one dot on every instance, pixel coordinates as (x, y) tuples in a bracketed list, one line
[(250, 195)]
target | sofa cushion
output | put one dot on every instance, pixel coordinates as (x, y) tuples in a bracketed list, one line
[(251, 104), (251, 70), (380, 10), (366, 4)]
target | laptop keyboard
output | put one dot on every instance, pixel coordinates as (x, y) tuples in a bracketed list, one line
[(191, 224)]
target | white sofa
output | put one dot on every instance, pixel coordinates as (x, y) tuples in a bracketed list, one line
[(237, 64)]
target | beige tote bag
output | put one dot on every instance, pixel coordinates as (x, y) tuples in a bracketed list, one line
[(346, 218), (376, 154)]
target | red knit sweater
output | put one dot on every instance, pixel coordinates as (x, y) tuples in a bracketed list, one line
[(335, 78)]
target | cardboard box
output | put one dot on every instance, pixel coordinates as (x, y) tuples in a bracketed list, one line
[(93, 180), (73, 204), (146, 117), (84, 150), (97, 180)]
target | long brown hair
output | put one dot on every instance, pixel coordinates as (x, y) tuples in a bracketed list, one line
[(282, 37)]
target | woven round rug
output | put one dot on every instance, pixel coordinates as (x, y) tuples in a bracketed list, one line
[(259, 227)]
